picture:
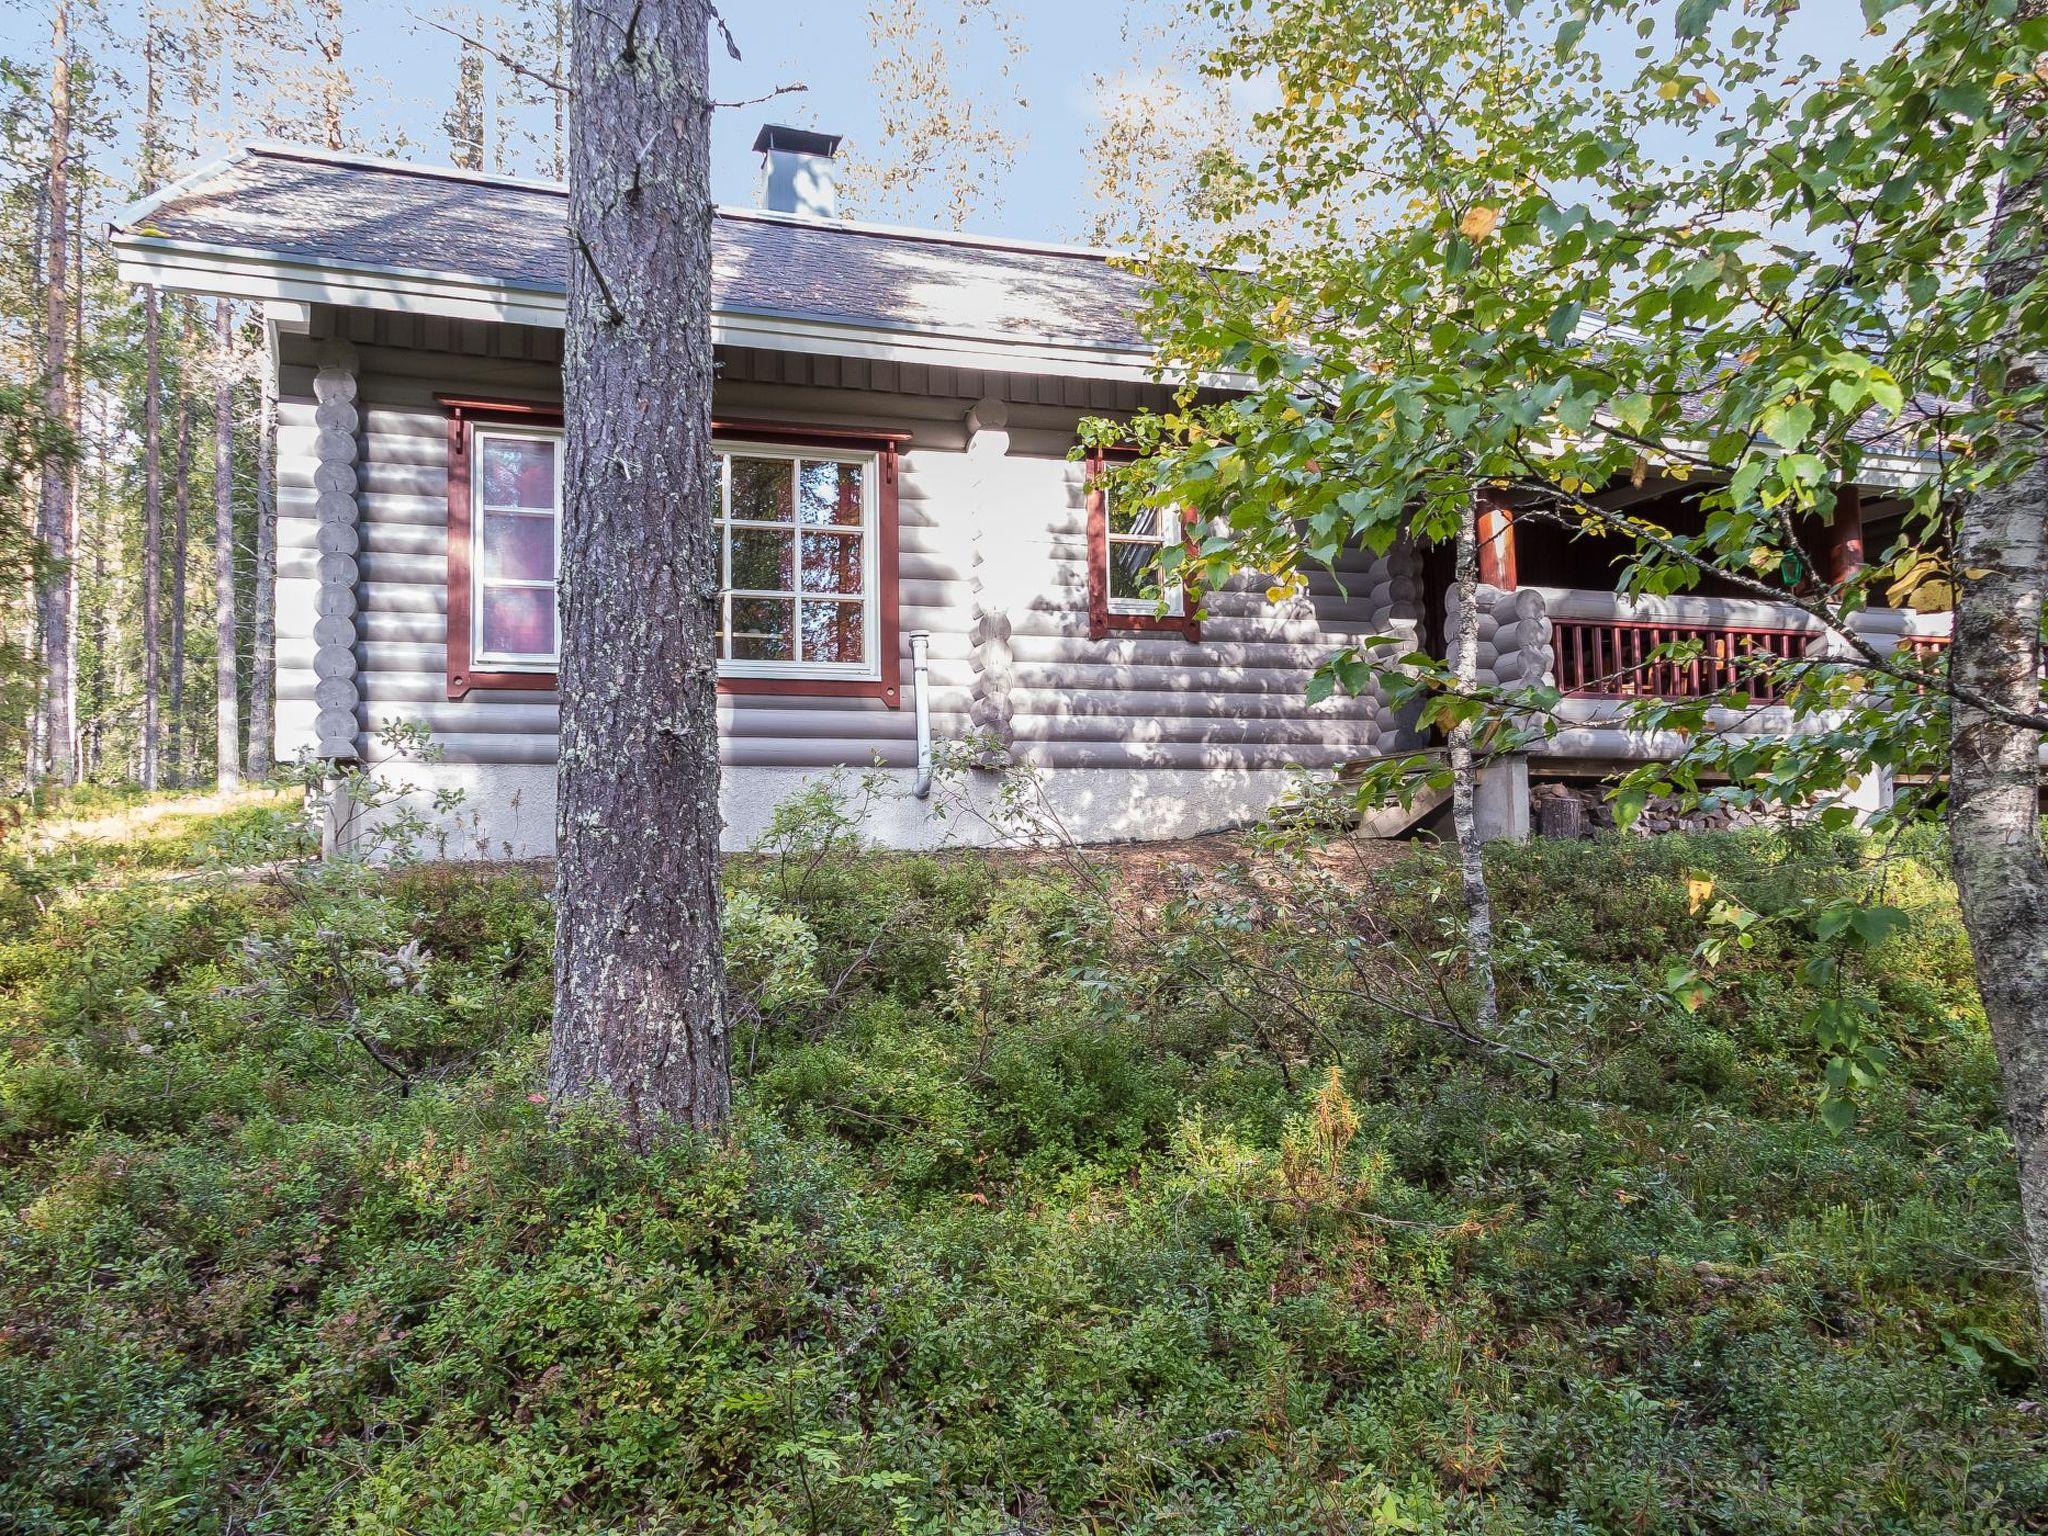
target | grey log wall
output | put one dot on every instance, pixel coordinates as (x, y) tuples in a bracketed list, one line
[(993, 550)]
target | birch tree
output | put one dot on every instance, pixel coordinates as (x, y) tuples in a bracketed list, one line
[(152, 439), (181, 524), (55, 606), (948, 141), (1491, 285), (640, 1007)]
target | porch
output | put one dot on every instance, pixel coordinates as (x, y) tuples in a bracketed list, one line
[(1550, 616)]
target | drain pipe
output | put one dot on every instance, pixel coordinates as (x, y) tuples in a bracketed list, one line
[(920, 682)]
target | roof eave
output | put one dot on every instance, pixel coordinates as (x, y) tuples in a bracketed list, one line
[(244, 273)]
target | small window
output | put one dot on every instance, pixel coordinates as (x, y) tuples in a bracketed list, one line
[(517, 532), (1133, 537), (1125, 591), (797, 531)]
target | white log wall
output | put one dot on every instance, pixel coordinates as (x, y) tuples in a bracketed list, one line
[(1012, 510)]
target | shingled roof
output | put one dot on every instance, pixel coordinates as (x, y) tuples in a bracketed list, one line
[(342, 214)]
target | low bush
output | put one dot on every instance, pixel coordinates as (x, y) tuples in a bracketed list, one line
[(1055, 1200)]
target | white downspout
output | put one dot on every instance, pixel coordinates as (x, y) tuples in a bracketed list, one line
[(920, 682)]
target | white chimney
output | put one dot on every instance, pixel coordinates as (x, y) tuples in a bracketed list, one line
[(796, 171)]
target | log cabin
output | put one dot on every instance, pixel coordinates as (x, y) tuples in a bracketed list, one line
[(913, 553)]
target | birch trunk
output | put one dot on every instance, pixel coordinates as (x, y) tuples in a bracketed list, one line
[(1994, 774), (152, 538), (181, 502), (1464, 784), (54, 512), (227, 717), (640, 1011), (263, 622)]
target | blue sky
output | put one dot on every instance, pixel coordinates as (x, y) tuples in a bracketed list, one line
[(406, 73)]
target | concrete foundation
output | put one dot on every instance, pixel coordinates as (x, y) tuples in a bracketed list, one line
[(507, 811), (1500, 801)]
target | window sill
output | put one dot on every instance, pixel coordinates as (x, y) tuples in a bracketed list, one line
[(460, 686), (1101, 626)]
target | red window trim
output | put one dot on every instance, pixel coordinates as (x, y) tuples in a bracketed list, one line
[(464, 413), (1101, 622)]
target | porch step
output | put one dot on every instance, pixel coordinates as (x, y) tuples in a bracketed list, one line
[(1391, 821)]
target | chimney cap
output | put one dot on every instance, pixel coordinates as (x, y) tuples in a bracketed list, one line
[(795, 141)]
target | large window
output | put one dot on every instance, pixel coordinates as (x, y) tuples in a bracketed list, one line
[(517, 541), (805, 524), (797, 535), (1126, 591)]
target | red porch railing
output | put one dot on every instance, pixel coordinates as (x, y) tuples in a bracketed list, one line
[(1924, 648), (1616, 658)]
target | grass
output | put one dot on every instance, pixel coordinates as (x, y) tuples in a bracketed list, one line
[(1039, 1213)]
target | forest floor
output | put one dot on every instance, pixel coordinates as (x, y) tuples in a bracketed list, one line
[(1152, 1191)]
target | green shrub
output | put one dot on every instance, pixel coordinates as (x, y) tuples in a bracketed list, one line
[(1047, 1207)]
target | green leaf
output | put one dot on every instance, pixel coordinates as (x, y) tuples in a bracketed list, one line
[(1873, 925), (1788, 423), (1695, 15), (1633, 412), (1563, 321), (1629, 801)]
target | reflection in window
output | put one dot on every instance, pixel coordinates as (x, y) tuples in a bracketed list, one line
[(796, 528), (518, 494), (1133, 536)]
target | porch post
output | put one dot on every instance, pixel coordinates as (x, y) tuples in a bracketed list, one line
[(1845, 536), (1496, 540)]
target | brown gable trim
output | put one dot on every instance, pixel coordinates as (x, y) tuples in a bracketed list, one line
[(463, 413)]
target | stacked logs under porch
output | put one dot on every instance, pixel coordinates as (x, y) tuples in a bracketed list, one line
[(1562, 809)]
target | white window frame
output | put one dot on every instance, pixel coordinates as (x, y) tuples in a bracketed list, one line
[(870, 597), (509, 661), (866, 671), (1173, 593)]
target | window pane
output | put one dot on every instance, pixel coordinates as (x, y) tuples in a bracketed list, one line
[(1125, 518), (832, 562), (1130, 569), (522, 548), (761, 489), (519, 621), (831, 493), (519, 472), (763, 629), (832, 632), (762, 559)]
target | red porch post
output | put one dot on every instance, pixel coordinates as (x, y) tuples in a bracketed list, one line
[(1845, 536), (1496, 540)]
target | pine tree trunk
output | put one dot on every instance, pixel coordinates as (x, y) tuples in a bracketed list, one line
[(1994, 774), (54, 518), (152, 538), (640, 1009), (181, 502), (263, 622), (227, 740), (1464, 785)]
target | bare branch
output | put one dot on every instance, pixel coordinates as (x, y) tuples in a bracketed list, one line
[(613, 314), (755, 101), (517, 68), (732, 48)]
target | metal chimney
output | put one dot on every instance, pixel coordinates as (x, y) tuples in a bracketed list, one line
[(796, 171)]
